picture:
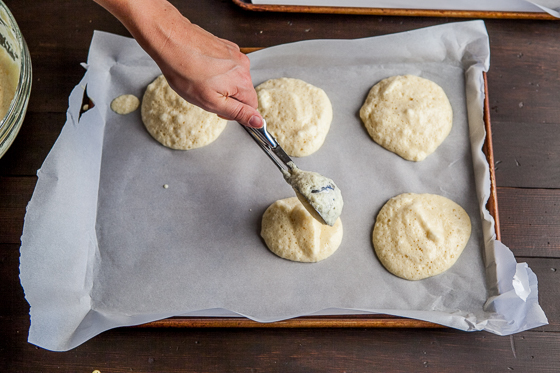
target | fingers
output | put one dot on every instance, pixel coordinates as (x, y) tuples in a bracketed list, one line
[(247, 95), (242, 113), (237, 99), (242, 106), (256, 121)]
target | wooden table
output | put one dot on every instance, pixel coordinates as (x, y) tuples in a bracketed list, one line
[(524, 89)]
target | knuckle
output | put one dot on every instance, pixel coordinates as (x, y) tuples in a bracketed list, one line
[(246, 61)]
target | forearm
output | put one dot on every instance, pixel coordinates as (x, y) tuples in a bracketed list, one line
[(141, 17)]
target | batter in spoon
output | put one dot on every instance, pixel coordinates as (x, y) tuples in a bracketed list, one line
[(319, 194)]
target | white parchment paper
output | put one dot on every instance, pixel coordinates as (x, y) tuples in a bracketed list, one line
[(550, 6), (105, 245)]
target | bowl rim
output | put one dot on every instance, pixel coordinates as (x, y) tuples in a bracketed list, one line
[(13, 118)]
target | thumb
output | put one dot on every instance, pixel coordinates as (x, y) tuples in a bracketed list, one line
[(242, 113)]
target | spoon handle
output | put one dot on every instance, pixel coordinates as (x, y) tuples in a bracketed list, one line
[(268, 144)]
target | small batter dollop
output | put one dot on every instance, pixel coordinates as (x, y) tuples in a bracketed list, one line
[(125, 104), (319, 194)]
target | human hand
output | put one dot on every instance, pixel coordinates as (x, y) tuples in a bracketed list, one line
[(203, 69)]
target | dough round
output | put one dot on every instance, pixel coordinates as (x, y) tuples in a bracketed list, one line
[(420, 235), (290, 232), (407, 115), (175, 122), (297, 114)]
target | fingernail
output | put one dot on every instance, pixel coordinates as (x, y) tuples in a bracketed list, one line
[(255, 121)]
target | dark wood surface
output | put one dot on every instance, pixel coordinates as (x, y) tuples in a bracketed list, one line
[(524, 90)]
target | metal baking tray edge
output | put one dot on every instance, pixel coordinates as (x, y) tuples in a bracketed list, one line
[(247, 5)]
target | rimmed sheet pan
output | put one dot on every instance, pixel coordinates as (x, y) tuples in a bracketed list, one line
[(248, 5)]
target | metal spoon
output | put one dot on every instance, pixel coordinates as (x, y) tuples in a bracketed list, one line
[(320, 195)]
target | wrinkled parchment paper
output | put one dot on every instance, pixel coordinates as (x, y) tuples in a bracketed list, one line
[(106, 245), (550, 6)]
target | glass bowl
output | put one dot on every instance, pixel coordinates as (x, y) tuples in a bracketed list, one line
[(15, 66)]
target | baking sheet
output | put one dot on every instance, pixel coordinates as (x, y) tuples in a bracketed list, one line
[(551, 7), (105, 245)]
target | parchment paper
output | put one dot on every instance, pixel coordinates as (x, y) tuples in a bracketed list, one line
[(106, 245), (550, 6)]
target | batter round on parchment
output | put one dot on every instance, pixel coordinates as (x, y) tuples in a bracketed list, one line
[(297, 114), (290, 232), (175, 122), (420, 235), (408, 115)]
